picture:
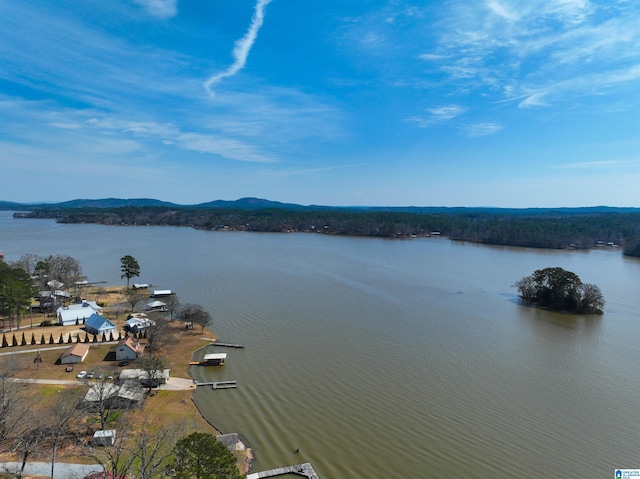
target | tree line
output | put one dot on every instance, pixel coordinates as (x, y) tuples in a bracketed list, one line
[(544, 229)]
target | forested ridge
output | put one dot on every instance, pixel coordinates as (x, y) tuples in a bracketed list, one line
[(555, 229)]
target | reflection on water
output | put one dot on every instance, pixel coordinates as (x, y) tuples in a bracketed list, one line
[(382, 359)]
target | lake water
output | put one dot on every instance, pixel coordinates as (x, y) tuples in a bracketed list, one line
[(391, 358)]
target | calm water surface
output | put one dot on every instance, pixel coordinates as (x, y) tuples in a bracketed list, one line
[(392, 359)]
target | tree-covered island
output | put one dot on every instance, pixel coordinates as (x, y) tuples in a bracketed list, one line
[(560, 290)]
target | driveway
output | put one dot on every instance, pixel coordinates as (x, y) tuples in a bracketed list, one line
[(62, 470), (174, 384)]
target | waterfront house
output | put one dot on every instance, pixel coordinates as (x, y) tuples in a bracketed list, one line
[(74, 354), (124, 395), (77, 313), (138, 322), (129, 349), (96, 324), (142, 376)]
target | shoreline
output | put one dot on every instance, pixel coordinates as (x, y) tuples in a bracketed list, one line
[(243, 450), (172, 401)]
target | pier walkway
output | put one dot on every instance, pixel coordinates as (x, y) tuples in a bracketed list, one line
[(227, 345), (305, 470), (219, 384)]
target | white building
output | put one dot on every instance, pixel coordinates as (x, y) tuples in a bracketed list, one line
[(77, 313)]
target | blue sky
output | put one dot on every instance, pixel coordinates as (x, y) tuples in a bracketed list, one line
[(519, 103)]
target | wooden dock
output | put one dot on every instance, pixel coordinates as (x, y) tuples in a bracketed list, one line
[(304, 470), (227, 345), (224, 385), (219, 384)]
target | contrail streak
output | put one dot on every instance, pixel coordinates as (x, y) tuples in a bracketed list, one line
[(242, 48)]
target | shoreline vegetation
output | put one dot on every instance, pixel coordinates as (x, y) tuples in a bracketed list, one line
[(560, 228), (47, 378)]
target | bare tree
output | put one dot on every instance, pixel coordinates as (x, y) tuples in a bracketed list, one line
[(134, 296), (153, 446), (153, 366), (196, 314), (14, 404), (99, 400), (28, 439), (28, 262), (173, 305), (65, 269), (157, 333), (59, 417), (142, 452), (115, 458)]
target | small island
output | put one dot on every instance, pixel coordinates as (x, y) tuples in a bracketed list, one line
[(560, 290)]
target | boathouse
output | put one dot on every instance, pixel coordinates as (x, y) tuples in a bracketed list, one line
[(213, 359)]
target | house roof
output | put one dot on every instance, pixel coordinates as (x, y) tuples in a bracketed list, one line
[(78, 311), (78, 349), (140, 321), (142, 375), (162, 292), (132, 343), (213, 356), (156, 304), (99, 323), (130, 390), (101, 391)]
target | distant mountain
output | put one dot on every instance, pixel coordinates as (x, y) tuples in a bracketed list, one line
[(110, 203), (250, 203), (10, 205)]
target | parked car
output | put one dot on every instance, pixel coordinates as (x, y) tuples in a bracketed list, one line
[(81, 374), (68, 369), (90, 375), (99, 376)]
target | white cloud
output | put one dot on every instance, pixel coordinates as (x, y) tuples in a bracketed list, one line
[(525, 49), (431, 56), (222, 146), (242, 48), (502, 10), (535, 99), (437, 115), (603, 164), (448, 112), (163, 9), (66, 126), (482, 129)]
